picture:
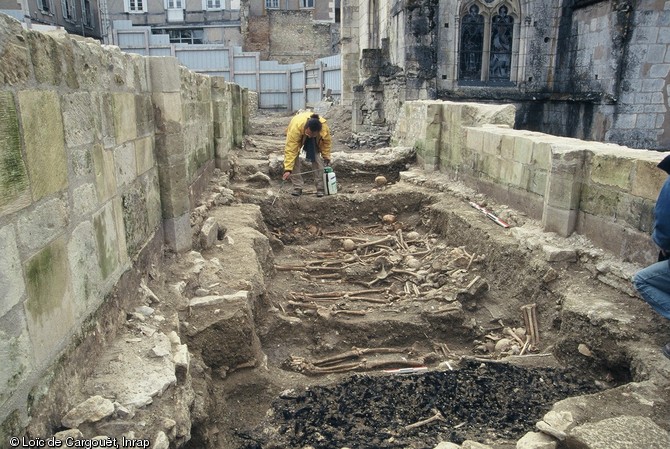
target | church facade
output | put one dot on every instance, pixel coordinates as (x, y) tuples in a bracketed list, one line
[(590, 69)]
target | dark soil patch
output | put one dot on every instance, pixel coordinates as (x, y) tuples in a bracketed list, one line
[(479, 401)]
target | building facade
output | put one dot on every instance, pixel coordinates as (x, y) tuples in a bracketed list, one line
[(185, 21), (292, 31), (81, 17), (591, 69)]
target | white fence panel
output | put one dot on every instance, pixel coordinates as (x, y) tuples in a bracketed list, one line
[(280, 86)]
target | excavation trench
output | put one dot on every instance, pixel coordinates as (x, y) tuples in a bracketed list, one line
[(399, 317)]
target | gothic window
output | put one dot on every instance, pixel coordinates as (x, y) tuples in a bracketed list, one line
[(486, 42), (472, 44), (502, 28)]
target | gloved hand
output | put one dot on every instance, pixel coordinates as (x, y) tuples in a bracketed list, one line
[(326, 162), (287, 174)]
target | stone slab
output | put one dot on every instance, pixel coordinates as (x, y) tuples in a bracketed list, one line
[(14, 184), (11, 276), (49, 310), (44, 141), (621, 432)]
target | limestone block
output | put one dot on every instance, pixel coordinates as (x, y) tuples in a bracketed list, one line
[(84, 200), (612, 170), (117, 209), (73, 434), (618, 432), (144, 154), (476, 114), (144, 110), (135, 379), (469, 444), (11, 276), (600, 200), (45, 57), (49, 310), (648, 179), (92, 409), (125, 125), (168, 111), (78, 119), (214, 300), (536, 440), (174, 189), (560, 221), (86, 275), (538, 181), (542, 154), (233, 328), (209, 233), (15, 352), (106, 240), (14, 193), (447, 445), (491, 142), (565, 178), (44, 141), (81, 163), (507, 143), (177, 232), (170, 149), (434, 114), (560, 420), (182, 360), (125, 162), (474, 139), (15, 66), (490, 166), (153, 197), (514, 174), (105, 173), (106, 119), (556, 254), (161, 441), (136, 216), (523, 149), (41, 224)]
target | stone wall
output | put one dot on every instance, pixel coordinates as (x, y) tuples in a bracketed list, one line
[(605, 192), (101, 153)]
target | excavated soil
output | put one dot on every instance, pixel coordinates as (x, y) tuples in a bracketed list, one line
[(418, 292)]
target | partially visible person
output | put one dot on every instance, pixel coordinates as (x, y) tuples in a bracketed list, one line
[(310, 132), (653, 282)]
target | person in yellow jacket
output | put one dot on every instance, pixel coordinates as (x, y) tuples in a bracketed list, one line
[(310, 132)]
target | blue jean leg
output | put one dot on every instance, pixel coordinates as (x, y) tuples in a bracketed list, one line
[(653, 284)]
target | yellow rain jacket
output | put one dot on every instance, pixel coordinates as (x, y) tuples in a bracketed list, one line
[(295, 139)]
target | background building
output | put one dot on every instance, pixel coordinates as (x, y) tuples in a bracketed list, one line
[(185, 21), (591, 69), (291, 31), (81, 17)]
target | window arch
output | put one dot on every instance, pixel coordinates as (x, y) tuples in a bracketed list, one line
[(488, 39)]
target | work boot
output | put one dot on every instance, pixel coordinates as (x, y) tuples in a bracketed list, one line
[(296, 192), (666, 350)]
